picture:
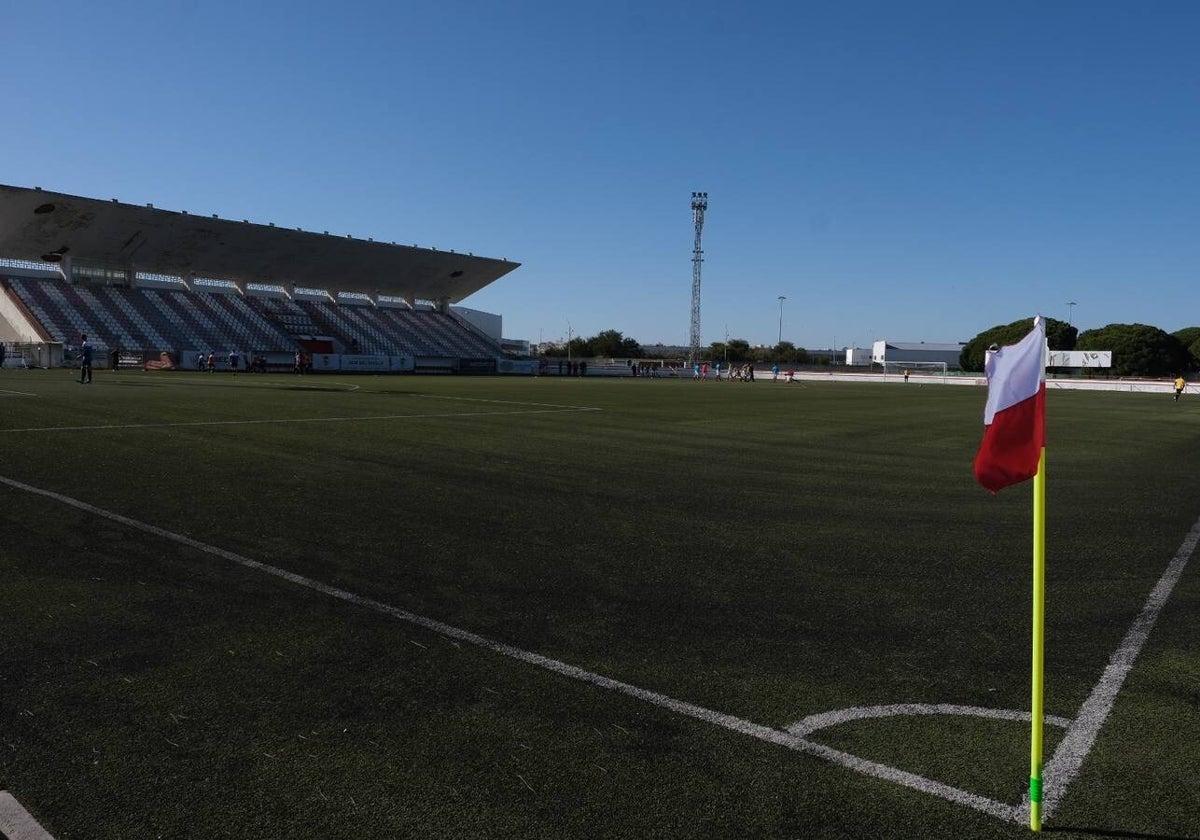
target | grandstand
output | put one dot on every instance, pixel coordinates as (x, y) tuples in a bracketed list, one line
[(146, 281)]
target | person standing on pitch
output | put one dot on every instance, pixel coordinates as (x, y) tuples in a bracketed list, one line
[(1180, 384), (85, 363)]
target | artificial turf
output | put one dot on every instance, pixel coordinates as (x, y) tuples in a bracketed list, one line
[(769, 551)]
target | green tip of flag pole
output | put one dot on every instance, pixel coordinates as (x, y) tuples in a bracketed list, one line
[(1039, 637), (1035, 802)]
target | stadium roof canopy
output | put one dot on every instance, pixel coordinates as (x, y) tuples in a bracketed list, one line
[(40, 225)]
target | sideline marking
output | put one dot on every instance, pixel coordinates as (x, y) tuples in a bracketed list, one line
[(1059, 772), (7, 393), (16, 823), (1064, 766), (188, 423)]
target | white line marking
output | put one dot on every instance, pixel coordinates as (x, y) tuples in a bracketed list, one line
[(1061, 770), (814, 722), (1058, 773), (501, 402), (219, 381), (16, 823), (735, 724), (281, 420), (7, 393)]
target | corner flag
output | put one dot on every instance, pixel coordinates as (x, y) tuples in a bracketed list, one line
[(1013, 450), (1015, 415)]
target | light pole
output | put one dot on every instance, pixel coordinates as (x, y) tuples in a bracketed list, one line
[(782, 298), (1070, 310)]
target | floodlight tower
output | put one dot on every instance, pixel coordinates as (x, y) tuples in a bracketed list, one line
[(699, 205)]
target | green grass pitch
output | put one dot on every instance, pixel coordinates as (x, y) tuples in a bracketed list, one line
[(768, 551)]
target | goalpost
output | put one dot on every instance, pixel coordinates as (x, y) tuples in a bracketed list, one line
[(918, 371)]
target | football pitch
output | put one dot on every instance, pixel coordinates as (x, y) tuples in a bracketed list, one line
[(271, 606)]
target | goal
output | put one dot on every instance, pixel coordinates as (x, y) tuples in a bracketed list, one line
[(917, 371)]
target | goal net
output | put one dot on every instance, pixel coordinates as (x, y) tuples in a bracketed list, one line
[(916, 371)]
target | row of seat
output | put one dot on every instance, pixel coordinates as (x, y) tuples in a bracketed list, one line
[(156, 319)]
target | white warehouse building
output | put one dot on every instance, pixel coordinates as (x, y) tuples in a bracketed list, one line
[(898, 352)]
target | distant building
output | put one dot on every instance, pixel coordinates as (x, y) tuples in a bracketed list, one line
[(918, 351), (858, 356)]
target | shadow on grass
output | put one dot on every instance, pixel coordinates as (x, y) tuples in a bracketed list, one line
[(1113, 832)]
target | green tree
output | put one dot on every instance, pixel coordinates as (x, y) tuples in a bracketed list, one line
[(1059, 335), (1189, 337), (609, 343), (1138, 349), (783, 351), (739, 350), (578, 348), (786, 352)]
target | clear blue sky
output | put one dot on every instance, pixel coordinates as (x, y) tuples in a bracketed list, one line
[(902, 170)]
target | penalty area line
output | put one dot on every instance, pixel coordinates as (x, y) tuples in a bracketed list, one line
[(768, 734)]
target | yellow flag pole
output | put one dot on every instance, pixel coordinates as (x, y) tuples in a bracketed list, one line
[(1039, 639)]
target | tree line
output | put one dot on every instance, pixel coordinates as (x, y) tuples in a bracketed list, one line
[(612, 344), (1137, 349)]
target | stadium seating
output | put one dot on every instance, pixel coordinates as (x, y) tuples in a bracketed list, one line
[(153, 319)]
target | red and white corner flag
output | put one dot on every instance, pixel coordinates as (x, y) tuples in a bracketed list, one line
[(1015, 416)]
